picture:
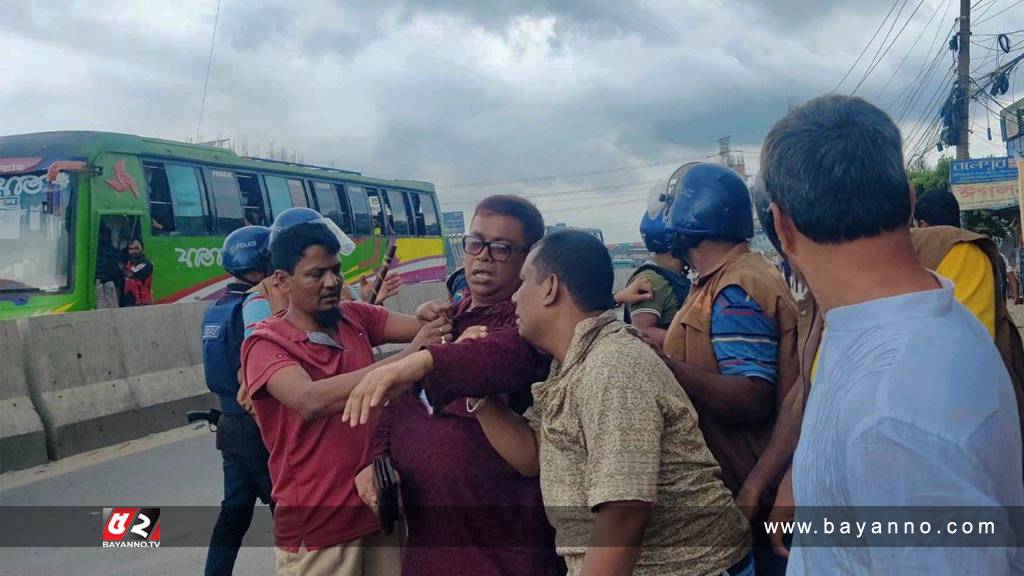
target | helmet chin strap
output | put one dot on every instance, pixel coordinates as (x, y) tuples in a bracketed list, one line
[(682, 244)]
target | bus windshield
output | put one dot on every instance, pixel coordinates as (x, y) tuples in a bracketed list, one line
[(36, 222)]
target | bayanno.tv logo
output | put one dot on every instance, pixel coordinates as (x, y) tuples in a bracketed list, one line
[(131, 527)]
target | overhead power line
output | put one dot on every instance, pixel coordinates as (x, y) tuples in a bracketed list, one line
[(866, 46), (935, 13), (531, 179), (997, 13), (209, 63), (889, 47)]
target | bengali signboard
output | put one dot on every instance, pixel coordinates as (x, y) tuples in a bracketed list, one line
[(985, 183)]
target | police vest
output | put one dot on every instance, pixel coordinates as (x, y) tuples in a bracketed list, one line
[(222, 349), (680, 285)]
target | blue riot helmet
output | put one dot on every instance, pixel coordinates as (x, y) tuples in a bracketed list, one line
[(295, 216), (245, 250), (762, 203), (708, 201), (657, 238)]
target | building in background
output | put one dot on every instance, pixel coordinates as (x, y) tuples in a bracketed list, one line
[(628, 254), (728, 159), (1011, 121), (454, 223)]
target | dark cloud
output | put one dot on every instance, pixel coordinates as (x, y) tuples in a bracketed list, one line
[(452, 90)]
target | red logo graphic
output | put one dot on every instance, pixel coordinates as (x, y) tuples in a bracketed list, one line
[(18, 165), (131, 527), (122, 180)]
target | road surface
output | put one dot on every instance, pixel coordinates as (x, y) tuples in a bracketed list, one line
[(180, 467)]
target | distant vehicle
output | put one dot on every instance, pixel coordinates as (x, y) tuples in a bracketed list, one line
[(59, 189), (623, 264)]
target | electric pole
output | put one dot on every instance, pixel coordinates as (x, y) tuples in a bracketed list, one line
[(963, 71)]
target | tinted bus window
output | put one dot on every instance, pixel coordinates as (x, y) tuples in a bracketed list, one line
[(277, 192), (175, 199), (362, 223), (252, 200), (377, 216), (398, 215), (425, 214), (331, 205), (298, 192), (227, 200)]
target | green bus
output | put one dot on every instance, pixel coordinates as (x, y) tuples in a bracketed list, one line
[(58, 190)]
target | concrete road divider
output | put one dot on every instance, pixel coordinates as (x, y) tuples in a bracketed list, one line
[(70, 383), (22, 437), (102, 377)]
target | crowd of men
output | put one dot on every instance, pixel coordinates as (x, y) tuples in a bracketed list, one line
[(529, 430)]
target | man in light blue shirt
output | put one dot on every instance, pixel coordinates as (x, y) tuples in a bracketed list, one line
[(911, 405)]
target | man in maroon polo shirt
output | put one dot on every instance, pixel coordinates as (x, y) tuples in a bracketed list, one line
[(468, 512), (300, 367)]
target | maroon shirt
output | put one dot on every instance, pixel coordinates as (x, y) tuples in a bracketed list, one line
[(313, 464), (469, 512)]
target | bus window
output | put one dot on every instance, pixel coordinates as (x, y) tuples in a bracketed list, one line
[(327, 203), (227, 200), (362, 223), (398, 214), (277, 191), (175, 199), (298, 192), (252, 200), (346, 214), (377, 216), (425, 214)]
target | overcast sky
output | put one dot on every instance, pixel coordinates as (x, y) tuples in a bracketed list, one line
[(464, 91)]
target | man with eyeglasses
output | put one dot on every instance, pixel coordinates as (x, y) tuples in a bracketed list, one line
[(467, 511)]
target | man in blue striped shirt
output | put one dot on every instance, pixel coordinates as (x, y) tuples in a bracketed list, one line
[(732, 347), (745, 339)]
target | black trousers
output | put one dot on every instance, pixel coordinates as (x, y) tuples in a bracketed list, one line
[(246, 478)]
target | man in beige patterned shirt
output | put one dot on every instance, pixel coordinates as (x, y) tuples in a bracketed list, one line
[(628, 482)]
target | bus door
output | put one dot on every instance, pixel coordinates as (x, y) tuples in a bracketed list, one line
[(113, 235)]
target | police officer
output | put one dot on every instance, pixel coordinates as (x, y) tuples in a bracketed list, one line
[(665, 272), (732, 346), (246, 476)]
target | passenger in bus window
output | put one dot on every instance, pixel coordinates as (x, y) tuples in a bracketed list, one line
[(109, 278), (138, 276)]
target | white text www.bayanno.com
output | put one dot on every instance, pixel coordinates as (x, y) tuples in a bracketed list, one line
[(880, 528)]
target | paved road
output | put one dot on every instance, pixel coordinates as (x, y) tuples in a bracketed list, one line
[(180, 467)]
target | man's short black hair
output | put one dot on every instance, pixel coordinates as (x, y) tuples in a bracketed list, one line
[(290, 244), (516, 207), (582, 263), (938, 208), (835, 167)]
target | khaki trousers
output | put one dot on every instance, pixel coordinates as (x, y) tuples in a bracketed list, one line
[(372, 555)]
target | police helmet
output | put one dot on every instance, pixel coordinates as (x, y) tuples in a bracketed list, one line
[(295, 216), (709, 200), (245, 250)]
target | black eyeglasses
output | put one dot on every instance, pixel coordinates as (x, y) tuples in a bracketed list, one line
[(498, 251)]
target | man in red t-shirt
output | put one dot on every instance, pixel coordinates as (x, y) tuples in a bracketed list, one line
[(300, 367)]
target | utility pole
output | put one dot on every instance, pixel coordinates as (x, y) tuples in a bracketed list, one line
[(963, 75)]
